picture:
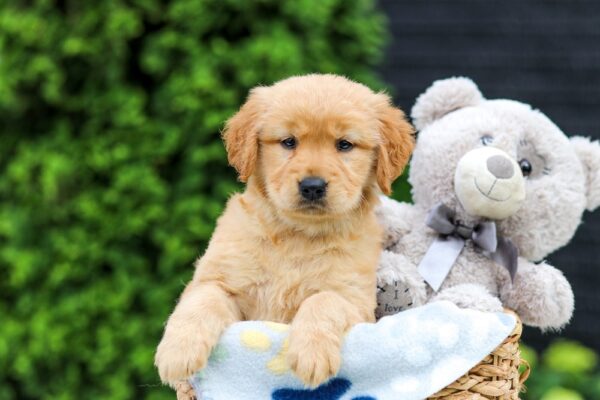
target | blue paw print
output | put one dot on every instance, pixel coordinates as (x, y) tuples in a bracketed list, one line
[(332, 390)]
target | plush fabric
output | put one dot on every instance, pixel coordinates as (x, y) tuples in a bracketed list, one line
[(589, 154), (410, 355), (454, 93), (561, 178)]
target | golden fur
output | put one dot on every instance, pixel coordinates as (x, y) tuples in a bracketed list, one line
[(272, 257)]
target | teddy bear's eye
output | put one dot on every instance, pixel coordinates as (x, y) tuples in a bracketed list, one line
[(487, 140), (526, 167)]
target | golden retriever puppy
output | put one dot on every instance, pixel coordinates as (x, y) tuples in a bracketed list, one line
[(301, 244)]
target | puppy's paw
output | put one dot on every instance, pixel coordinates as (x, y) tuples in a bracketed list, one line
[(185, 391), (180, 355), (314, 356)]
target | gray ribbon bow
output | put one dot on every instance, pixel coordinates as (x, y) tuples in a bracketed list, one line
[(444, 251)]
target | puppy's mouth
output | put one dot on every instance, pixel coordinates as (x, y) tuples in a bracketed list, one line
[(312, 207)]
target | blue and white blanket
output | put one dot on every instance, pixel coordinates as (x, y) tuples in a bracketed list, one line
[(410, 355)]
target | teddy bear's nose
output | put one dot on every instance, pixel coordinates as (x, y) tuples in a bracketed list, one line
[(500, 167)]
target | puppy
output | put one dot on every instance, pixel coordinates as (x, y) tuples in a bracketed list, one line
[(301, 244)]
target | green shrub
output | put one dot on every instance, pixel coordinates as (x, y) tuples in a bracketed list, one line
[(566, 370), (112, 170)]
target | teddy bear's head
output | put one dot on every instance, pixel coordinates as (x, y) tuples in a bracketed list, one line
[(504, 161)]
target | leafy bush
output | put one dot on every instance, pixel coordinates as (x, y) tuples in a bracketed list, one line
[(112, 170), (566, 371)]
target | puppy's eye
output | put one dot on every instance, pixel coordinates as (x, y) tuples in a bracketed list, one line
[(289, 143), (526, 167), (344, 145), (486, 140)]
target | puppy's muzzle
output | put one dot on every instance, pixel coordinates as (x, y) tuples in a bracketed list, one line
[(312, 188)]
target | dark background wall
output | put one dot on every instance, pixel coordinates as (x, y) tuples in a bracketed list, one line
[(545, 53)]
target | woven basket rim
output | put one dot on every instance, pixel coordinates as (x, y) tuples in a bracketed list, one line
[(496, 377)]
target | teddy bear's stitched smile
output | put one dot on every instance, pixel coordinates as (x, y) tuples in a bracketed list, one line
[(488, 196)]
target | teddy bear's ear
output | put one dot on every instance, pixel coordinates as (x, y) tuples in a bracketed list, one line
[(442, 97), (589, 155)]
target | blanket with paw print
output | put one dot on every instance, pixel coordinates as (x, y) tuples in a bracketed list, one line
[(410, 355)]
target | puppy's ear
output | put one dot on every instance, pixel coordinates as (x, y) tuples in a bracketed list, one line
[(443, 97), (396, 145), (589, 155), (241, 135)]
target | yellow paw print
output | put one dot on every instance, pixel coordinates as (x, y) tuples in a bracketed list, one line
[(260, 342), (256, 340), (278, 364)]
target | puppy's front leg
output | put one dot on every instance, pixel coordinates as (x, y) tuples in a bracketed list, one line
[(316, 336), (203, 312)]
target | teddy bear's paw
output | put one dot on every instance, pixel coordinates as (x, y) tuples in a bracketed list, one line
[(471, 296), (179, 356), (541, 296), (314, 356), (395, 269)]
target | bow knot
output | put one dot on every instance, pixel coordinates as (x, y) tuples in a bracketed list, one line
[(441, 219), (444, 251)]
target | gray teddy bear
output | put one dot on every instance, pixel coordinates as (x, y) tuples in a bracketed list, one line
[(496, 187)]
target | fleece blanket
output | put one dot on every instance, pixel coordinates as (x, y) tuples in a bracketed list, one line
[(410, 355)]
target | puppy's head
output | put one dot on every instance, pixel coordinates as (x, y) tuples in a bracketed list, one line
[(318, 144)]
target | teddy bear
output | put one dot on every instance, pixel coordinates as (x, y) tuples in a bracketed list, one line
[(497, 186)]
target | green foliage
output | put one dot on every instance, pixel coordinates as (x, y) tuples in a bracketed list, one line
[(565, 371), (113, 172), (570, 357), (559, 393), (401, 189)]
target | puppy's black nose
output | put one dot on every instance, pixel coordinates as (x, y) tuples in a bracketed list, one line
[(312, 188)]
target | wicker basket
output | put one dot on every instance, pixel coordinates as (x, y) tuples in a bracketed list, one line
[(496, 377)]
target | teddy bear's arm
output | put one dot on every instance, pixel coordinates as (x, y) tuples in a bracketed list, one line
[(395, 218), (540, 295), (397, 270), (471, 296)]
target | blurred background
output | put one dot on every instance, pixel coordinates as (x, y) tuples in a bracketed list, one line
[(112, 172)]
